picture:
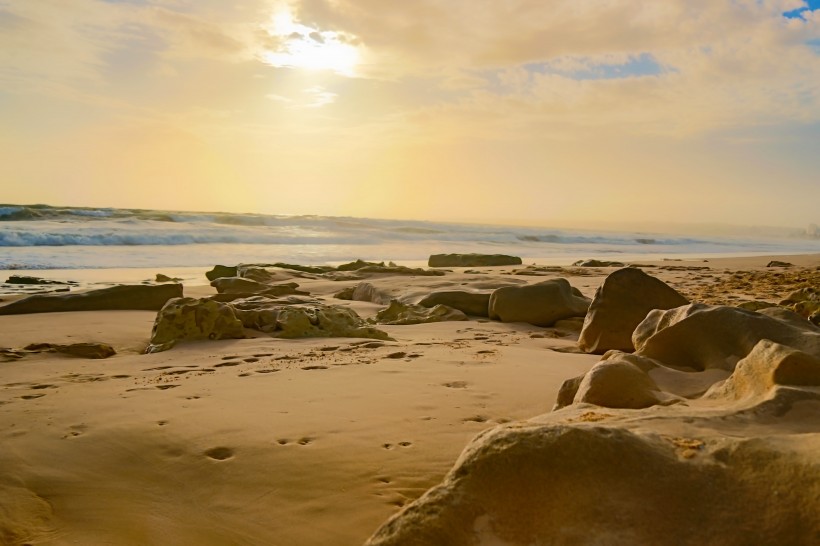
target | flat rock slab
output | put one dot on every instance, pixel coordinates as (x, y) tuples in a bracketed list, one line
[(472, 260), (122, 297)]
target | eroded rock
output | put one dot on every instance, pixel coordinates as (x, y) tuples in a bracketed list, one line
[(619, 305), (398, 313), (190, 319), (122, 297), (472, 260), (540, 304), (471, 303)]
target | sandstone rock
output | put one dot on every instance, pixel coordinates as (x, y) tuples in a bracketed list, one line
[(136, 297), (471, 303), (165, 278), (598, 263), (239, 285), (767, 365), (590, 484), (573, 324), (221, 271), (358, 264), (618, 383), (700, 336), (25, 279), (81, 350), (298, 321), (755, 305), (619, 305), (398, 313), (189, 319), (472, 260), (540, 304), (399, 270), (566, 394), (364, 291), (776, 263), (790, 317), (316, 269), (345, 293)]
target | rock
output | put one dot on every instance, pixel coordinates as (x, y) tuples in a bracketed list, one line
[(165, 278), (345, 293), (619, 383), (399, 270), (122, 297), (790, 317), (700, 336), (566, 394), (318, 269), (472, 260), (239, 285), (591, 484), (471, 303), (541, 304), (801, 295), (358, 264), (573, 324), (364, 291), (598, 263), (755, 305), (261, 275), (190, 319), (298, 321), (81, 350), (776, 263), (398, 313), (619, 305), (24, 279), (767, 365), (221, 271)]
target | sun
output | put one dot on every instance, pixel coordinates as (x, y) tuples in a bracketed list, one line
[(300, 46)]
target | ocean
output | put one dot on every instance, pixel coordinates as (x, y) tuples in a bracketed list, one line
[(47, 237)]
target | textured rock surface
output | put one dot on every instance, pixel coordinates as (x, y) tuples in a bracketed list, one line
[(541, 304), (298, 321), (239, 285), (189, 319), (471, 303), (472, 260), (618, 383), (598, 263), (619, 305), (135, 297), (700, 336), (402, 314), (221, 271), (590, 484)]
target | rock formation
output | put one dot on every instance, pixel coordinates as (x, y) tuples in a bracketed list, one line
[(471, 303), (472, 260), (121, 297), (541, 304), (189, 319), (619, 305), (398, 313)]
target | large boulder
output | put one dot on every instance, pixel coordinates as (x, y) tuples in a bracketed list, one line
[(619, 383), (121, 297), (471, 303), (472, 260), (188, 319), (619, 305), (700, 336), (398, 313), (589, 484), (541, 304)]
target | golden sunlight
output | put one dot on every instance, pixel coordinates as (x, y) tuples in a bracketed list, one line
[(300, 46)]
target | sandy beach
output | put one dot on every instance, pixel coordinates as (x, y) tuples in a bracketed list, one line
[(282, 441)]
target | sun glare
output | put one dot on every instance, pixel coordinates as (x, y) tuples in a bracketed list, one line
[(301, 46)]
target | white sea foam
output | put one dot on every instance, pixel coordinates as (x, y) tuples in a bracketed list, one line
[(52, 237)]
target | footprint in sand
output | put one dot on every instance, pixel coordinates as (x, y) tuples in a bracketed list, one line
[(476, 419), (251, 359), (314, 367), (283, 442), (166, 387), (233, 357), (32, 396), (268, 370), (305, 441), (162, 423), (455, 385), (226, 364), (43, 387), (398, 354), (405, 444), (219, 453)]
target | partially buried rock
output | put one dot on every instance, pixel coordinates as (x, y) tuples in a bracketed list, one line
[(165, 278), (398, 313), (472, 260), (591, 484), (24, 279), (221, 271), (239, 285), (308, 320), (81, 350), (471, 303), (777, 263), (597, 263), (541, 304), (619, 383), (189, 319), (122, 297), (769, 364), (619, 305), (700, 336)]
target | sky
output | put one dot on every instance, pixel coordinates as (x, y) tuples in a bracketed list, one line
[(541, 112)]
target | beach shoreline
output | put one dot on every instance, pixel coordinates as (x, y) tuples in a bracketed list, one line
[(276, 441)]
